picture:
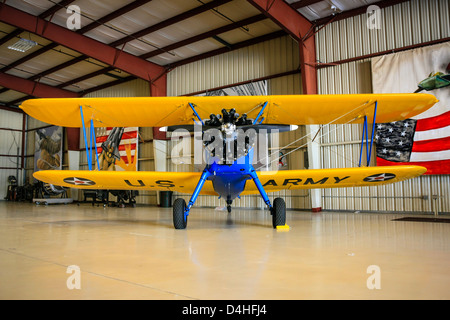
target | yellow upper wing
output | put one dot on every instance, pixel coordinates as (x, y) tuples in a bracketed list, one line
[(185, 182), (281, 109)]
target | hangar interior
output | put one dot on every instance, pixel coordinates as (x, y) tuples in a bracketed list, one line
[(147, 48)]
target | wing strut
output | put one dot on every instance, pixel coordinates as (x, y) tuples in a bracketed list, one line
[(92, 141), (365, 134), (196, 113), (260, 113)]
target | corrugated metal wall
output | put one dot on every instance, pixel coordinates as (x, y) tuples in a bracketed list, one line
[(402, 25), (9, 142), (260, 60)]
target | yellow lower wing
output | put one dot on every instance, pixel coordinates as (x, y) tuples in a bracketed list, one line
[(185, 182), (333, 178)]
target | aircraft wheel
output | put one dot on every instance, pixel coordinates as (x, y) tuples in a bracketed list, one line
[(278, 212), (179, 222)]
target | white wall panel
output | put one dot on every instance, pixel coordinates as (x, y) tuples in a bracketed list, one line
[(404, 24), (10, 141)]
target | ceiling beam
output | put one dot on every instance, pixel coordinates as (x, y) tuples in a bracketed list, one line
[(123, 10), (43, 15), (163, 24), (33, 88), (168, 22), (239, 45), (10, 36), (83, 30), (180, 17), (113, 15), (205, 35), (85, 77), (114, 57), (301, 29), (174, 46), (285, 16)]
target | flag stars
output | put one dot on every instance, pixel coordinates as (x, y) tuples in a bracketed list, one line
[(395, 140)]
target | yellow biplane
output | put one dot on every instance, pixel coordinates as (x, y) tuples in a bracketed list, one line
[(228, 139)]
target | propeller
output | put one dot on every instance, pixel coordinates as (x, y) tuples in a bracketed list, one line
[(231, 117)]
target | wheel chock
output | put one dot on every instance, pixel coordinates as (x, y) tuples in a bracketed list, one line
[(283, 228)]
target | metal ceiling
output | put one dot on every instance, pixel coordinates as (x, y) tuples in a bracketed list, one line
[(164, 33)]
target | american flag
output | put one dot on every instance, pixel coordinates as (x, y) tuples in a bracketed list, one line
[(424, 142), (425, 139)]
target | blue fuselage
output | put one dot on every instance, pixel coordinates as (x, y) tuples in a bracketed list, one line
[(229, 179)]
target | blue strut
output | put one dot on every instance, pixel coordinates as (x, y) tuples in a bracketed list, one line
[(197, 190), (260, 113), (89, 160), (260, 188), (225, 174), (365, 134)]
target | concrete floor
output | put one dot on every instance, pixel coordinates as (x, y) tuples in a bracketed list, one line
[(135, 253)]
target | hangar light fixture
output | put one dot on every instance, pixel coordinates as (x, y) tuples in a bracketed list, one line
[(23, 45)]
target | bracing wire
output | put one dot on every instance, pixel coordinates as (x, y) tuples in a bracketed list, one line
[(366, 104)]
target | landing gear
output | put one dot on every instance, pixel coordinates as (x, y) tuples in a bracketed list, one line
[(229, 202), (180, 210), (179, 217), (278, 213), (278, 209)]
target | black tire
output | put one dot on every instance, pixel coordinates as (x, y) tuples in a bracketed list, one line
[(278, 213), (179, 205)]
